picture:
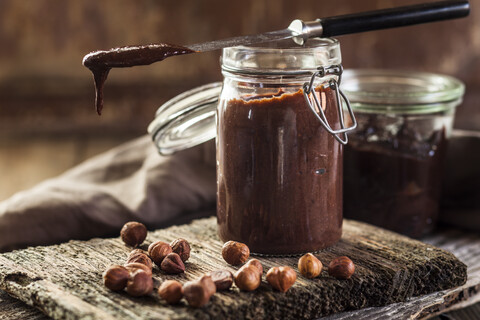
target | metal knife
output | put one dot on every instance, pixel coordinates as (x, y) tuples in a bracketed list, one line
[(300, 31)]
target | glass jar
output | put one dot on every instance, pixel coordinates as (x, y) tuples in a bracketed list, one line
[(394, 160), (279, 165)]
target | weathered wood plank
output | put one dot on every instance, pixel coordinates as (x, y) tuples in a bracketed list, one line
[(65, 280), (466, 247)]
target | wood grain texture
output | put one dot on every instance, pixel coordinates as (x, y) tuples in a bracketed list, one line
[(64, 281)]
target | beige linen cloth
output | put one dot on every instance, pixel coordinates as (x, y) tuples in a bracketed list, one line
[(94, 199)]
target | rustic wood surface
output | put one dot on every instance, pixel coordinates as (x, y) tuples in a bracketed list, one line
[(64, 281)]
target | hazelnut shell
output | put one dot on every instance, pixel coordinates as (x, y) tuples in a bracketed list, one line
[(247, 278), (133, 233), (171, 291), (140, 256), (134, 266), (196, 294), (116, 277), (341, 268), (172, 264), (223, 279), (182, 248), (256, 264), (235, 253), (158, 251), (309, 266), (139, 284), (281, 278)]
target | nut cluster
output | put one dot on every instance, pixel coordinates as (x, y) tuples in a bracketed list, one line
[(340, 267), (135, 277), (136, 281), (166, 258)]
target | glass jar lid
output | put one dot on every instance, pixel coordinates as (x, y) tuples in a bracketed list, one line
[(399, 91), (186, 120)]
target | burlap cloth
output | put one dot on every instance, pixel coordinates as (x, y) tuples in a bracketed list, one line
[(133, 182), (94, 199)]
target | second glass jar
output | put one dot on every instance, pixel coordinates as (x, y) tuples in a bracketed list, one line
[(279, 171)]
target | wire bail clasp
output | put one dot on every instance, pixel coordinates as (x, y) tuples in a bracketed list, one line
[(308, 89)]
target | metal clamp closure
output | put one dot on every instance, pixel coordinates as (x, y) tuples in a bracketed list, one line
[(314, 104)]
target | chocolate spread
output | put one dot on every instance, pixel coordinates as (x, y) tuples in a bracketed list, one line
[(279, 174), (100, 62), (393, 180)]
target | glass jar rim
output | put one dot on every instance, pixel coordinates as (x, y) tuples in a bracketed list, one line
[(283, 57), (401, 91)]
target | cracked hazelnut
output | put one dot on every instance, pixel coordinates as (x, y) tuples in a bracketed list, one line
[(281, 278), (132, 267), (139, 256), (235, 253), (171, 291), (133, 233), (223, 279), (139, 284), (256, 264), (247, 278), (182, 248), (158, 250), (172, 264), (115, 277), (309, 266), (341, 268), (198, 292)]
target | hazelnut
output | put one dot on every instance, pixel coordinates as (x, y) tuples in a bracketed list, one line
[(198, 292), (182, 248), (115, 277), (247, 278), (341, 268), (139, 256), (223, 279), (140, 283), (256, 264), (132, 267), (235, 253), (309, 266), (208, 284), (133, 233), (158, 250), (281, 278), (171, 291), (172, 264)]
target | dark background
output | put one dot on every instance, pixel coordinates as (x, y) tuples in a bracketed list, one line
[(47, 118)]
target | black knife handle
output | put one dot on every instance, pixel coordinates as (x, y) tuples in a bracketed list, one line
[(394, 17)]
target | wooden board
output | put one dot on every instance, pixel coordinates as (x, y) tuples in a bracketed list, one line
[(64, 281)]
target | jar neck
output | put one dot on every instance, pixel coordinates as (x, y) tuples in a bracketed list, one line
[(281, 59)]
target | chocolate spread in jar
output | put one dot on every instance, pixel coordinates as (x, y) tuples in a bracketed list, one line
[(100, 62), (395, 181), (279, 174)]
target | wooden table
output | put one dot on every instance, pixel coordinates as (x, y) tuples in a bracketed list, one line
[(46, 291)]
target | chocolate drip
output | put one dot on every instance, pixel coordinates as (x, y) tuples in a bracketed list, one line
[(100, 62)]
